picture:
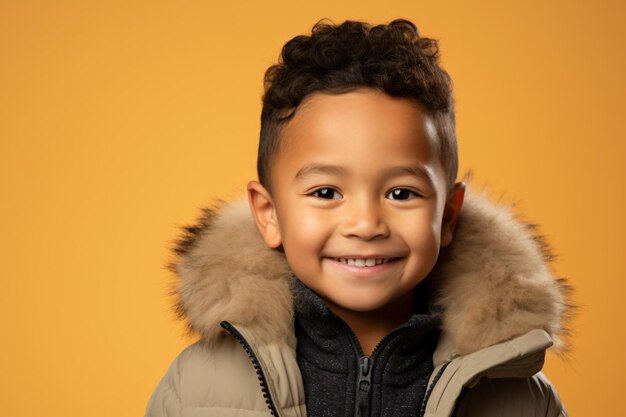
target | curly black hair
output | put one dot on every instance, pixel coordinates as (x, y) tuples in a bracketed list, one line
[(337, 59)]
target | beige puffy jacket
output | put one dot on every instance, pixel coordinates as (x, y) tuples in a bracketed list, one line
[(502, 309)]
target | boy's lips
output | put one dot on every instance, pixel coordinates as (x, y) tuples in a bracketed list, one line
[(347, 263)]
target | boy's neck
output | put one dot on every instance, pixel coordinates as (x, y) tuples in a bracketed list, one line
[(371, 326)]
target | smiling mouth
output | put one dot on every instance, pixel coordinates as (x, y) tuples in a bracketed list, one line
[(364, 261)]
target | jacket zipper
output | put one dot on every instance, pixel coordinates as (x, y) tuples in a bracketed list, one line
[(366, 364), (257, 366), (429, 389), (362, 408)]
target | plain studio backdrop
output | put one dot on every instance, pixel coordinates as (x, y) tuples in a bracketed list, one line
[(120, 119)]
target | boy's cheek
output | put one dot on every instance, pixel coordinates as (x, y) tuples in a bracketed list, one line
[(418, 227)]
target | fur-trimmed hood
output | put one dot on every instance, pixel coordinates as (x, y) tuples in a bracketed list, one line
[(492, 283)]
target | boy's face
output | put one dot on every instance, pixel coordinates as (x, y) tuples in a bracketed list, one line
[(357, 183)]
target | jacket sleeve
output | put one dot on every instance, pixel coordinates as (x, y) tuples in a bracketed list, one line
[(165, 400), (512, 397)]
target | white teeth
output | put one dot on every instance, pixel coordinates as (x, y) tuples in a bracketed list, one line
[(362, 261)]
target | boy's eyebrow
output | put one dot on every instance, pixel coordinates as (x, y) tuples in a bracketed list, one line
[(315, 168), (413, 170)]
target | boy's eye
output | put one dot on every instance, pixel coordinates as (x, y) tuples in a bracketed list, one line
[(401, 194), (326, 193)]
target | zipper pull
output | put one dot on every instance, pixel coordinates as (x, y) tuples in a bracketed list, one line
[(363, 387)]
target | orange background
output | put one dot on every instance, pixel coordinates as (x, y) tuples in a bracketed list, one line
[(119, 119)]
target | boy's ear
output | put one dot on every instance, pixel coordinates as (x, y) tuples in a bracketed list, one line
[(264, 213), (451, 212)]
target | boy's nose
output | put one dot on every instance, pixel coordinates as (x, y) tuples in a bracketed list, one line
[(365, 221)]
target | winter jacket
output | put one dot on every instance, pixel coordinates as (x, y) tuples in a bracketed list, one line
[(501, 308)]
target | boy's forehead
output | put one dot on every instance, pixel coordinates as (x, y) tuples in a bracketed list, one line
[(356, 114), (362, 106), (332, 129)]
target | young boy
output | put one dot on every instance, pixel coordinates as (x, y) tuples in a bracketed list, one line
[(359, 279)]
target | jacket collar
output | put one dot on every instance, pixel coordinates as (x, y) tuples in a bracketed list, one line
[(492, 283)]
